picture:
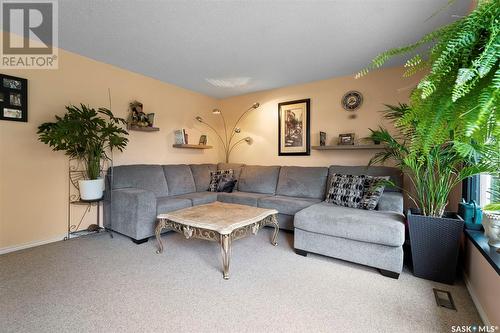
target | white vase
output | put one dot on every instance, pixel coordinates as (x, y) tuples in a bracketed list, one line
[(91, 189), (491, 223)]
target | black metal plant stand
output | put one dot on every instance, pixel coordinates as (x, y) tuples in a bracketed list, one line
[(76, 172)]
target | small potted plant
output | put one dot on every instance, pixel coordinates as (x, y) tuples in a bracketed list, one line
[(86, 134), (491, 215)]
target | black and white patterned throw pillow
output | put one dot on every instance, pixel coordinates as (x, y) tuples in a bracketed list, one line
[(217, 176), (346, 190), (373, 189)]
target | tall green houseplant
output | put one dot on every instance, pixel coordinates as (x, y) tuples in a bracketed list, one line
[(448, 132), (86, 134)]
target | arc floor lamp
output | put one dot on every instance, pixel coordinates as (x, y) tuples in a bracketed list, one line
[(229, 136)]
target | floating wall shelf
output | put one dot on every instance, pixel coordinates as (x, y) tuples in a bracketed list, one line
[(143, 129), (191, 146), (349, 147)]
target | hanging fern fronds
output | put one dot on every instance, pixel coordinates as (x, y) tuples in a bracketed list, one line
[(450, 130), (459, 92)]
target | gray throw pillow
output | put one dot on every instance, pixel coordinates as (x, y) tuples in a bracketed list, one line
[(373, 189), (226, 185), (346, 190), (216, 176)]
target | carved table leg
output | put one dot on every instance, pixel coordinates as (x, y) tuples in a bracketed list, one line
[(159, 227), (225, 243), (274, 222)]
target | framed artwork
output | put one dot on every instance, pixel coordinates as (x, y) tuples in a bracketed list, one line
[(13, 98), (293, 128)]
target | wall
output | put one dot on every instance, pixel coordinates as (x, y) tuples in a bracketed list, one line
[(379, 87), (34, 180), (483, 283)]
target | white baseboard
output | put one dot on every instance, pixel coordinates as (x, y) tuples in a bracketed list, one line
[(473, 295), (28, 245)]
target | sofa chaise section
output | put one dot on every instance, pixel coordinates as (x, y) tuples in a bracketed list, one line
[(370, 237)]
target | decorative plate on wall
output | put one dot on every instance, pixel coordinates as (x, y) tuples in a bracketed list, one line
[(352, 100)]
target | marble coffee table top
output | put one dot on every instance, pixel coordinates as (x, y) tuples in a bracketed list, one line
[(221, 217)]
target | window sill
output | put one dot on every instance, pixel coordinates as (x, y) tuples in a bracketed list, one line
[(490, 253)]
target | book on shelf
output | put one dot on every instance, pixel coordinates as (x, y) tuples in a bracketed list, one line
[(180, 138)]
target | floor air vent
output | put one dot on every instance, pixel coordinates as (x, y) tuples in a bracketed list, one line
[(444, 299)]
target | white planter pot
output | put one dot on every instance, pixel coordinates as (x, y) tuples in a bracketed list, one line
[(491, 224), (91, 189)]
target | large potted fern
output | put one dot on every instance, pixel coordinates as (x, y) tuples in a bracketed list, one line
[(448, 132), (88, 135)]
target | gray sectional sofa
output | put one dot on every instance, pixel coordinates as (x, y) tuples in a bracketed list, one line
[(372, 238)]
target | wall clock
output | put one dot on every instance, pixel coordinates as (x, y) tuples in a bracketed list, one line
[(352, 100)]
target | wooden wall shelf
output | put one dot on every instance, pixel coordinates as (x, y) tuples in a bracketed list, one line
[(143, 129), (191, 146), (349, 147)]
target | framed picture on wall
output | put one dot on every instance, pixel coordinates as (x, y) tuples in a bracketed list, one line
[(13, 98), (294, 128)]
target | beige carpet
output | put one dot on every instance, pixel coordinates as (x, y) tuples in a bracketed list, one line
[(98, 284)]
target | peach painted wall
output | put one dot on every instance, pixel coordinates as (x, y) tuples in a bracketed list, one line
[(33, 178), (327, 115), (483, 283)]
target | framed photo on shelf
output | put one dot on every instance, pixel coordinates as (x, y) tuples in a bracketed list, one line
[(346, 139), (13, 98), (322, 138), (203, 140), (294, 128)]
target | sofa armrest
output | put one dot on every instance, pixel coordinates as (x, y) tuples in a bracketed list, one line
[(133, 212), (391, 202)]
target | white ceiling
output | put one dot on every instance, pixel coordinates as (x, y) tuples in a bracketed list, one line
[(227, 48)]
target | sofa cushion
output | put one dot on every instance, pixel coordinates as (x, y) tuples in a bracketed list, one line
[(395, 174), (307, 182), (199, 198), (179, 179), (242, 198), (371, 226), (391, 202), (346, 190), (169, 204), (286, 205), (141, 176), (259, 179), (201, 175)]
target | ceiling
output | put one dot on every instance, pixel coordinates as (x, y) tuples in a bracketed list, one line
[(228, 48)]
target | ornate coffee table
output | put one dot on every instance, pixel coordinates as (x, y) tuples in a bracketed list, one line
[(218, 222)]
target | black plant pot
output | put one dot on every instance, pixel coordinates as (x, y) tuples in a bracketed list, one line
[(434, 245)]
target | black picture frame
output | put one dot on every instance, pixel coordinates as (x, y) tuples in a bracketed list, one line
[(304, 149), (13, 98)]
